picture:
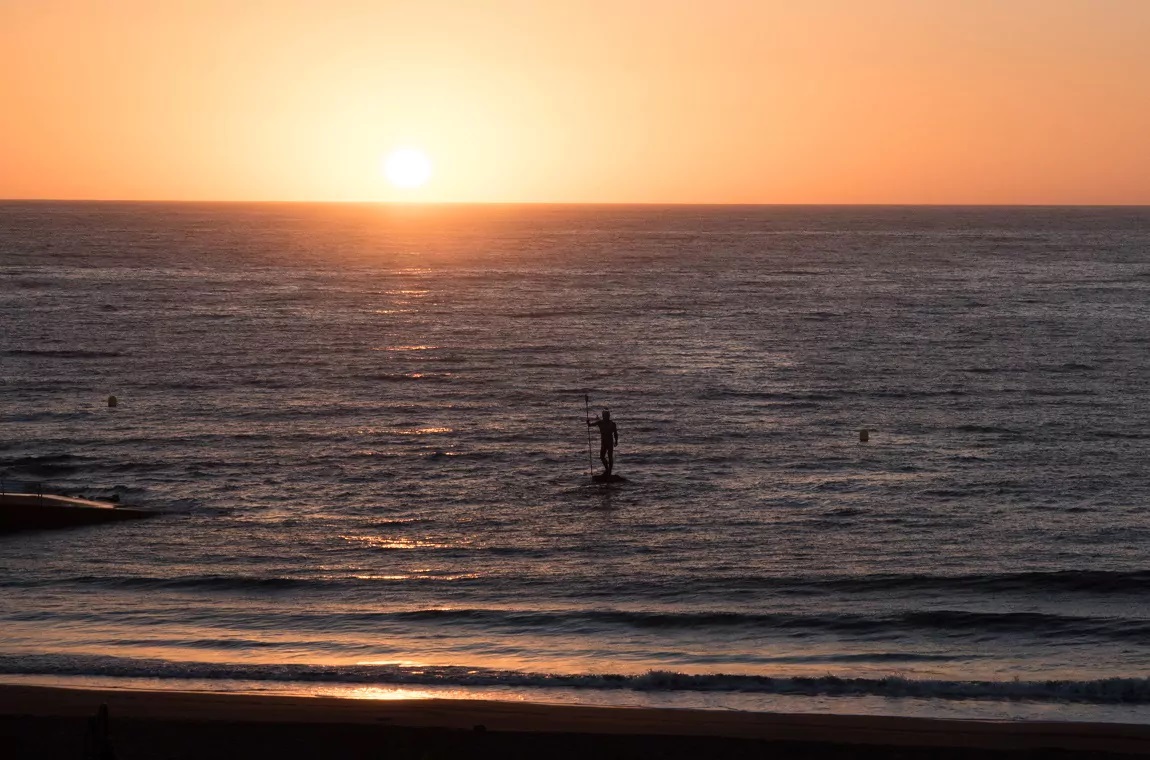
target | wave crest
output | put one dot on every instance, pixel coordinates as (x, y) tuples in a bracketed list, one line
[(1100, 691)]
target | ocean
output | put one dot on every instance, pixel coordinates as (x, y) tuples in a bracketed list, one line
[(364, 429)]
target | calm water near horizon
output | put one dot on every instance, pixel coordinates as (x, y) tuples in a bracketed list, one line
[(364, 427)]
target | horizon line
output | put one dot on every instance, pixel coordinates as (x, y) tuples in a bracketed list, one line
[(694, 204)]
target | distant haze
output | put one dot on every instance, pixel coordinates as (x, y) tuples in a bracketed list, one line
[(660, 101)]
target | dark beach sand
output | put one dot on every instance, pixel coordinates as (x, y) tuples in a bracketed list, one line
[(41, 722)]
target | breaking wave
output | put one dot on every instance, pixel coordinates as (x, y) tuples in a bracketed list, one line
[(1100, 691), (1093, 582)]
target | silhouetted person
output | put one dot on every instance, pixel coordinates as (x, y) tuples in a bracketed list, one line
[(608, 440)]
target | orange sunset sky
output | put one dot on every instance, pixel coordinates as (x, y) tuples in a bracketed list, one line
[(679, 101)]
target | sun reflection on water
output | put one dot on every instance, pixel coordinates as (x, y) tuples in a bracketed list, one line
[(379, 542)]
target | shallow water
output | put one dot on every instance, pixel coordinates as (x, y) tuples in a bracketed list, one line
[(364, 426)]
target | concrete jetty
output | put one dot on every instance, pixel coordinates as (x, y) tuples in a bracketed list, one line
[(31, 511)]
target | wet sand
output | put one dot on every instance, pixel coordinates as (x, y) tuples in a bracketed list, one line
[(43, 722)]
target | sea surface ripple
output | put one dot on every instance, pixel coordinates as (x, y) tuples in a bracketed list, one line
[(364, 427)]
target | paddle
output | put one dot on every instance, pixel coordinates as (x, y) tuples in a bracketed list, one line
[(590, 460)]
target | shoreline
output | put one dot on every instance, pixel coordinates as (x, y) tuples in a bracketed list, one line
[(50, 722)]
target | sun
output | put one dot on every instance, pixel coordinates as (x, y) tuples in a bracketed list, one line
[(407, 168)]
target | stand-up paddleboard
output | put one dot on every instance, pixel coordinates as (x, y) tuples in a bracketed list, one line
[(612, 478)]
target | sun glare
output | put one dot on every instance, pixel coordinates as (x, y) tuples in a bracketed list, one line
[(407, 168)]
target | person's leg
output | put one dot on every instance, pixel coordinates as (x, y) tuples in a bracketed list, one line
[(610, 460), (603, 451)]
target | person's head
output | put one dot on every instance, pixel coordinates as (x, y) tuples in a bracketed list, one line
[(606, 414)]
